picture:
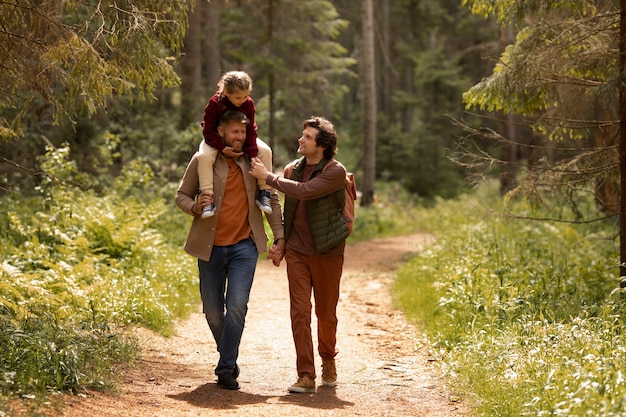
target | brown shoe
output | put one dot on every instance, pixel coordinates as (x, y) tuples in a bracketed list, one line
[(304, 384), (329, 373)]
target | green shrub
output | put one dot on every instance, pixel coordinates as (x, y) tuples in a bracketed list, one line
[(394, 212), (79, 270)]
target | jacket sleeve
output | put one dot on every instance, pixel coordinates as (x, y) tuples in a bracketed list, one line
[(250, 147), (209, 125), (188, 187), (330, 180)]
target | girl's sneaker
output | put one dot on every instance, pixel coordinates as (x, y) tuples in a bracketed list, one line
[(263, 200), (208, 210)]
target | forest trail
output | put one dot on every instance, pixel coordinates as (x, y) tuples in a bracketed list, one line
[(381, 370)]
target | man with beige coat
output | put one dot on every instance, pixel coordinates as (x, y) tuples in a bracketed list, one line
[(228, 244)]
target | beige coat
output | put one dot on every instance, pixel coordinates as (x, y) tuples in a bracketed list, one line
[(202, 232)]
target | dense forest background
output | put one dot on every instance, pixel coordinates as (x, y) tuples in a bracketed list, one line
[(398, 78), (100, 110), (304, 58)]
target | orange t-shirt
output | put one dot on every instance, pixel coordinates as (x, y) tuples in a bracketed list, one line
[(232, 222)]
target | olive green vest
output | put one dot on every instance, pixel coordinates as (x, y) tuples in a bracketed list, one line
[(326, 223)]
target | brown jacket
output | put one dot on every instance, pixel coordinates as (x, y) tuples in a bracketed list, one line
[(202, 232)]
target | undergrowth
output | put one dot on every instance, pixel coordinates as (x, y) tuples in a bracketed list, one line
[(525, 316), (79, 271), (393, 213)]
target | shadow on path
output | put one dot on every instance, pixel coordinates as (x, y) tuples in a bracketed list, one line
[(325, 399), (205, 397)]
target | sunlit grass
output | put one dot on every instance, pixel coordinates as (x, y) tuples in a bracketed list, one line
[(525, 316)]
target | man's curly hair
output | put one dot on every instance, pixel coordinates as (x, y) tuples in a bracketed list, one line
[(326, 135)]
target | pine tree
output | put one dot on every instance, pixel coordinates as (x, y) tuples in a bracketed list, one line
[(68, 58)]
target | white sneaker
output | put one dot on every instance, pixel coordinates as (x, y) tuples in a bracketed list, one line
[(263, 200), (208, 211)]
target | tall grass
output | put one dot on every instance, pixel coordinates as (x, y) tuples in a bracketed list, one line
[(526, 316)]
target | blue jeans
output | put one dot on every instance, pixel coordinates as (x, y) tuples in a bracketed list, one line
[(225, 284)]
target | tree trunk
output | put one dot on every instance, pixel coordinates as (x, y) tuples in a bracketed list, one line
[(271, 78), (508, 174), (191, 71), (386, 90), (211, 54), (369, 99), (622, 144)]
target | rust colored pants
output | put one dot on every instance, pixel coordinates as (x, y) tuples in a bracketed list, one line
[(319, 275)]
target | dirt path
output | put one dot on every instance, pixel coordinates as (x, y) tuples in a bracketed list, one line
[(380, 370)]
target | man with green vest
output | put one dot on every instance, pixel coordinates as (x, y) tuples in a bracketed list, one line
[(315, 236)]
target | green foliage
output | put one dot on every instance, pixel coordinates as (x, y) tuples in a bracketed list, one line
[(559, 80), (525, 315), (306, 62), (515, 11), (79, 271), (395, 212), (96, 71), (565, 54), (418, 161), (81, 54), (413, 146), (42, 352)]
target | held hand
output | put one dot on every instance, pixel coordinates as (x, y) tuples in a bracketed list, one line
[(203, 200), (257, 169), (277, 252), (230, 153), (276, 258)]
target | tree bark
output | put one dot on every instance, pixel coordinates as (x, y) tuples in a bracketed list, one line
[(508, 174), (369, 99), (385, 61), (211, 54), (271, 82), (191, 71), (622, 144)]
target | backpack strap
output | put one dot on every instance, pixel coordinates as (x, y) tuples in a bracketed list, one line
[(336, 199)]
